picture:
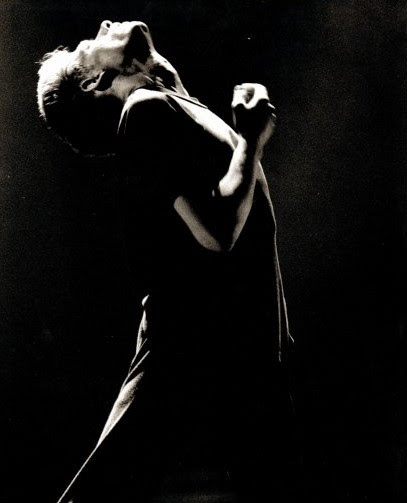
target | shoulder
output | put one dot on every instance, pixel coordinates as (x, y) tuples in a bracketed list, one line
[(146, 99), (146, 109)]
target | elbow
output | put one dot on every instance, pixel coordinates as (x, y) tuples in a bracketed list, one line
[(223, 248), (231, 230), (217, 245), (227, 248), (219, 242), (233, 186), (226, 242)]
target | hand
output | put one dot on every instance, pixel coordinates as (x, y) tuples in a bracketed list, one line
[(253, 114)]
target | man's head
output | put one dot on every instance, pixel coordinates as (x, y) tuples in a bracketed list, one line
[(81, 93)]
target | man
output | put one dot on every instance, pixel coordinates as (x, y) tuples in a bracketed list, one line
[(204, 393)]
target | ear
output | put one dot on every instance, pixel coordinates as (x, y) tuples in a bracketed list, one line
[(99, 82)]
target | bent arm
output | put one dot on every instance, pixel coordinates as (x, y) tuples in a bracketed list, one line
[(217, 222), (215, 213)]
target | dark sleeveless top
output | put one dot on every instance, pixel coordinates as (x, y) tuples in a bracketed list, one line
[(233, 300)]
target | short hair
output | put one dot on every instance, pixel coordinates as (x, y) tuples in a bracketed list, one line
[(87, 122)]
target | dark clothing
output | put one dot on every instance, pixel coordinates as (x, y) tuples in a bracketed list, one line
[(178, 154), (205, 392)]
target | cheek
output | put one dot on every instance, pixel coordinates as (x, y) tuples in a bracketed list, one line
[(109, 56)]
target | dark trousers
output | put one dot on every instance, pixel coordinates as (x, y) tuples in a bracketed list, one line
[(181, 429)]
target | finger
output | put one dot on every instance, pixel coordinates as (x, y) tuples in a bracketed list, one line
[(252, 87), (249, 95), (256, 91), (241, 95), (259, 95), (272, 109)]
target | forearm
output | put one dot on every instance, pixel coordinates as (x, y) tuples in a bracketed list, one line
[(241, 173), (236, 190), (217, 220)]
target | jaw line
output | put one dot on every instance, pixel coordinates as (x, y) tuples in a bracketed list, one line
[(163, 74), (157, 71)]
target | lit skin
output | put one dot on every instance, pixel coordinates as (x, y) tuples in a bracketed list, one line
[(128, 50), (115, 47)]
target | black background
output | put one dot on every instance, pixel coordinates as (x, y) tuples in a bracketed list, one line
[(336, 71)]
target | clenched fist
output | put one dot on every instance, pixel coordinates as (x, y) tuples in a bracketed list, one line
[(253, 114)]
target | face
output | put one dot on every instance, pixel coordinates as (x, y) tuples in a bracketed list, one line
[(124, 47), (128, 49)]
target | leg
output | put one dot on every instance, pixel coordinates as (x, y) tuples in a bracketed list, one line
[(264, 459), (117, 466)]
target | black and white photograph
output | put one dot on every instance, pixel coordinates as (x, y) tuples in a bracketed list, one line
[(203, 251)]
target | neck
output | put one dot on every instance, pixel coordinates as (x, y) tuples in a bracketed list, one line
[(157, 73), (123, 85), (163, 74)]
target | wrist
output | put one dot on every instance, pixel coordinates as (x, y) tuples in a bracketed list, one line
[(251, 147)]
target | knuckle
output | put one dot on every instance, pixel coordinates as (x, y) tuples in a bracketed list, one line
[(237, 103), (261, 103)]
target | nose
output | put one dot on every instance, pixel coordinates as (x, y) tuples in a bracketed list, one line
[(104, 28), (106, 24), (138, 25), (143, 27)]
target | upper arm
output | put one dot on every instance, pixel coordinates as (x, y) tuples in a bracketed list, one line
[(149, 134), (193, 220), (178, 160)]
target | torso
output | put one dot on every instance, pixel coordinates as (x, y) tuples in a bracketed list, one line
[(190, 150)]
